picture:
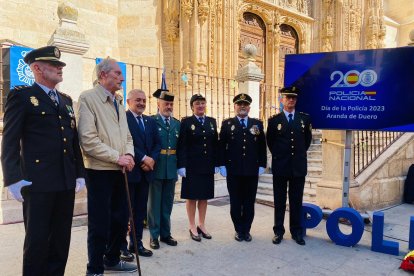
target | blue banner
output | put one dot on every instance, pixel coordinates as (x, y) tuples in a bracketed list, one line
[(20, 73), (355, 90), (122, 65)]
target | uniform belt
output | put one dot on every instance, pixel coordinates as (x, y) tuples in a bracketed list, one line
[(168, 151)]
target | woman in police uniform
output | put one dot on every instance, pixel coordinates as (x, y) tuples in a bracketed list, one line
[(197, 162)]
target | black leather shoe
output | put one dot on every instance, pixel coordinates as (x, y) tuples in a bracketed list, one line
[(142, 251), (277, 239), (204, 235), (248, 237), (154, 244), (194, 237), (299, 240), (239, 236), (126, 256), (169, 240)]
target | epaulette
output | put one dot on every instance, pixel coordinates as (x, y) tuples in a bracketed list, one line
[(303, 113), (185, 117), (66, 95), (176, 119), (275, 115), (257, 119), (20, 87)]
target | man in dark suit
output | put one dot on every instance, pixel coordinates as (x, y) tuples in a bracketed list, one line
[(42, 162), (147, 146), (289, 136), (243, 159)]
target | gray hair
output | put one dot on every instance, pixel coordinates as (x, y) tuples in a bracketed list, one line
[(133, 91), (104, 66)]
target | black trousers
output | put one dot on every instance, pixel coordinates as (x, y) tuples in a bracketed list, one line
[(107, 205), (242, 190), (296, 186), (139, 199), (48, 222)]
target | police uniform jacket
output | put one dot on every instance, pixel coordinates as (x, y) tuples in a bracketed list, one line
[(289, 143), (242, 151), (146, 143), (40, 141), (198, 145), (166, 164)]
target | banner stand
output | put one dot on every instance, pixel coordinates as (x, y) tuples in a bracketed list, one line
[(347, 168)]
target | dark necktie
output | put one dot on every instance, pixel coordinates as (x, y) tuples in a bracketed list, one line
[(53, 97), (167, 122), (242, 123), (140, 123), (116, 107), (290, 118), (200, 119)]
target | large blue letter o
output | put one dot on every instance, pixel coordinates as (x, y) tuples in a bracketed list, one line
[(332, 227)]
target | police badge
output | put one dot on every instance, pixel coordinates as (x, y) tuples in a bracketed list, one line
[(255, 130), (279, 126), (303, 125), (34, 101), (192, 127), (211, 125), (232, 127)]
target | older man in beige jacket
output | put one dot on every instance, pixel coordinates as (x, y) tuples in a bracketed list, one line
[(107, 150)]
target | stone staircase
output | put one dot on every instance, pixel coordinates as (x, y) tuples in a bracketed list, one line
[(265, 188)]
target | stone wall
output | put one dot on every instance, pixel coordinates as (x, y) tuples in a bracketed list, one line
[(382, 183)]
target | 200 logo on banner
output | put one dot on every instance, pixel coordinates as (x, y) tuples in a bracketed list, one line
[(353, 78)]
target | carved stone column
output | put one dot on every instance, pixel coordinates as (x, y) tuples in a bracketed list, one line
[(249, 77), (73, 45)]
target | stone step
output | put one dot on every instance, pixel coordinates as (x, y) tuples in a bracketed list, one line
[(315, 154), (315, 162), (314, 172), (315, 147)]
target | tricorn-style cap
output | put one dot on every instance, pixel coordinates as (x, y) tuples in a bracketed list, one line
[(163, 93), (292, 91), (47, 54), (242, 98), (196, 97)]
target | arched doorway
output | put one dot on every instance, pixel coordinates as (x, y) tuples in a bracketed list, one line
[(253, 31), (289, 44)]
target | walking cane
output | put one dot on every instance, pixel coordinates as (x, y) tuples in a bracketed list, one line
[(131, 220)]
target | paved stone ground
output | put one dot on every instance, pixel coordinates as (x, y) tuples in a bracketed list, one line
[(224, 256)]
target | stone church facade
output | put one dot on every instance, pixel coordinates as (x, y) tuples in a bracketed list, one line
[(199, 42)]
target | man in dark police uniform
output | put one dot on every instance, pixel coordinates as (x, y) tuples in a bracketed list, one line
[(42, 162), (289, 136), (242, 158)]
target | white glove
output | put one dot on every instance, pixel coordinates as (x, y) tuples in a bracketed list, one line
[(261, 170), (181, 172), (223, 171), (15, 189), (80, 184), (216, 169)]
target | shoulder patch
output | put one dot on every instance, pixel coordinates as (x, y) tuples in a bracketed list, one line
[(65, 95), (20, 87)]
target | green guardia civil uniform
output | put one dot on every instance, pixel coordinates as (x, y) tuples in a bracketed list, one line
[(162, 188)]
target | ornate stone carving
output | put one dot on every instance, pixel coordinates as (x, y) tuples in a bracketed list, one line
[(67, 11), (301, 6), (171, 17), (203, 10), (187, 8), (67, 36)]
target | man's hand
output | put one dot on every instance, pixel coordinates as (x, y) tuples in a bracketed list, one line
[(126, 162), (148, 162), (80, 184), (145, 168), (15, 189)]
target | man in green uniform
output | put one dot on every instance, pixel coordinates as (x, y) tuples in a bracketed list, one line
[(161, 189)]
